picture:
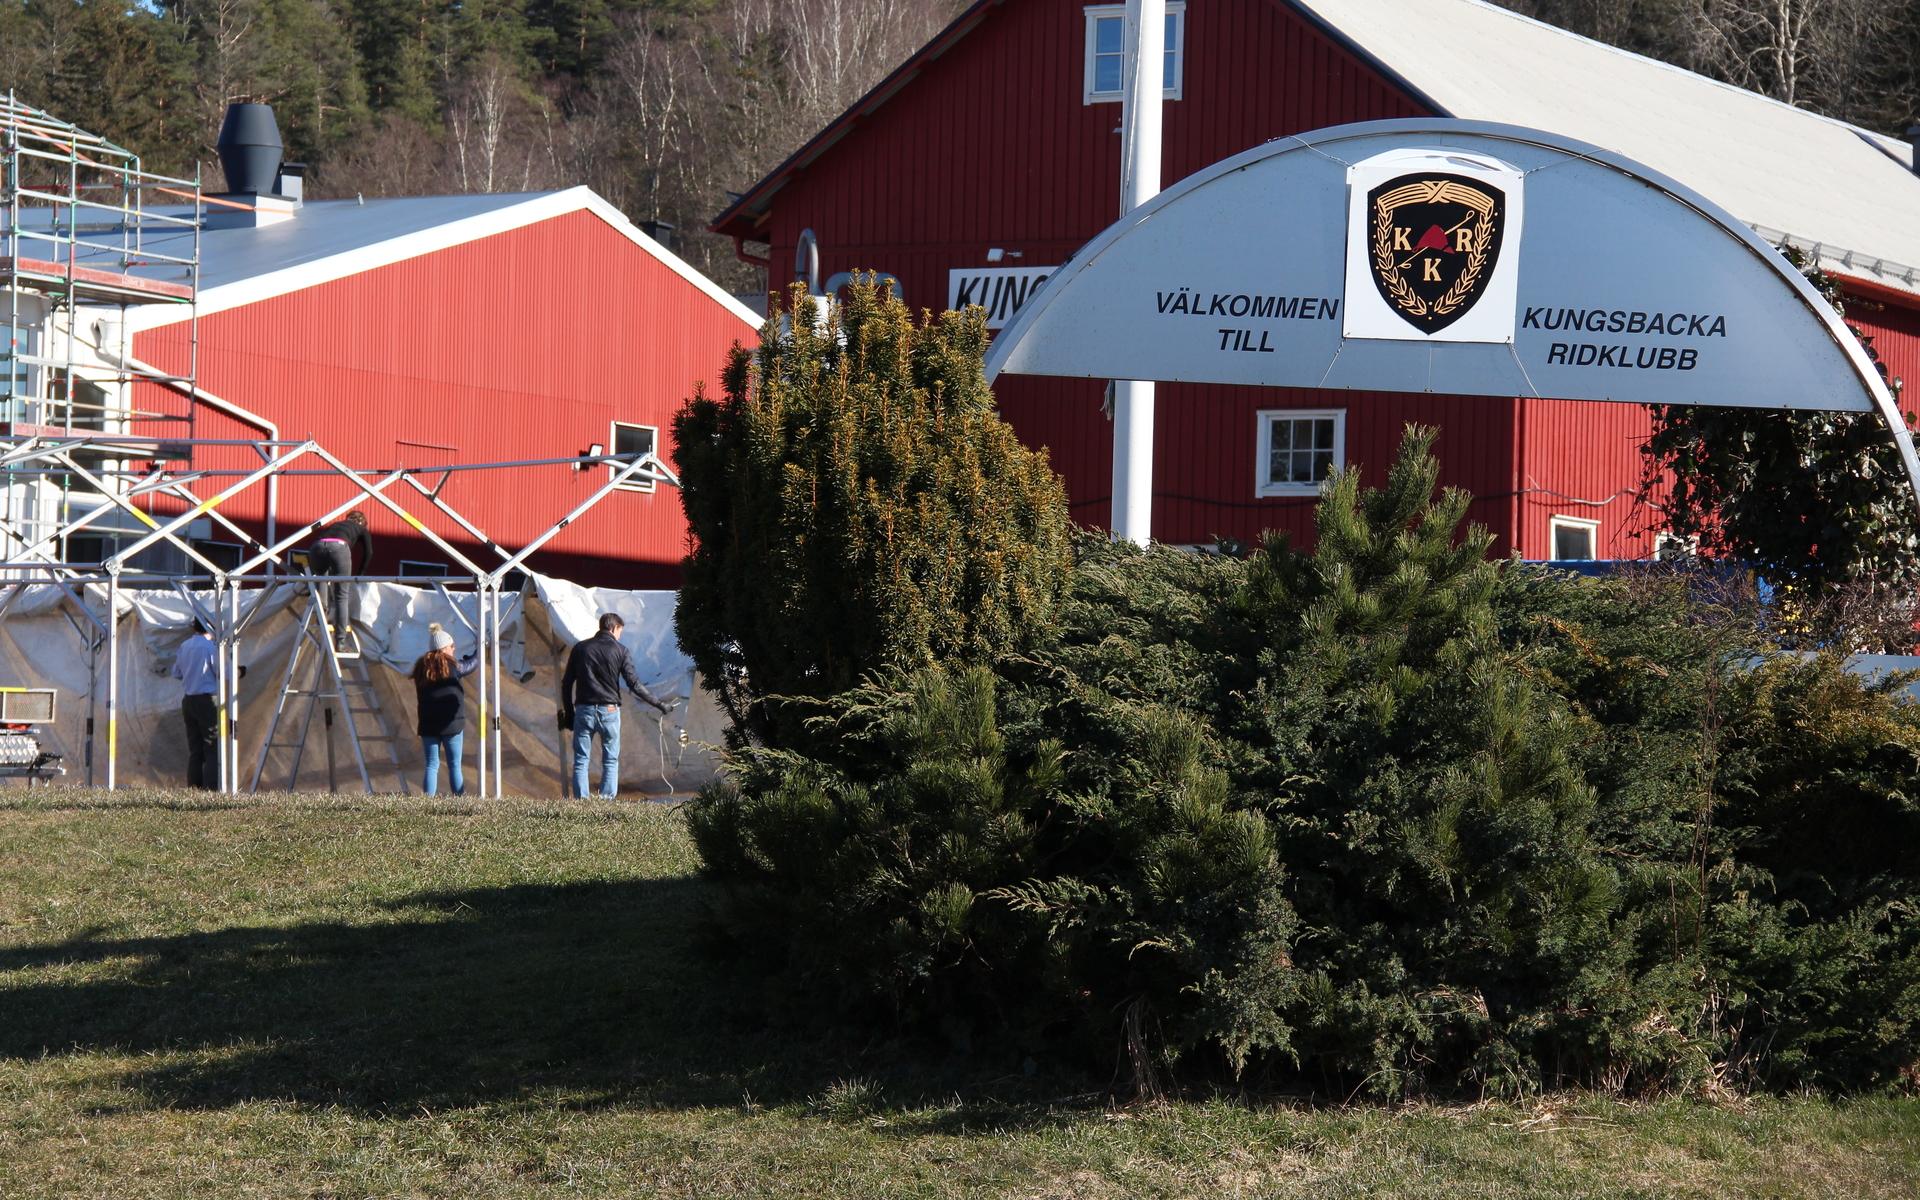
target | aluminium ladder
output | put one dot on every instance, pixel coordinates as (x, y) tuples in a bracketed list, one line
[(334, 679)]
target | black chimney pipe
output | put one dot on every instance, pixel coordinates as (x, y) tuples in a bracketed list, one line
[(250, 149)]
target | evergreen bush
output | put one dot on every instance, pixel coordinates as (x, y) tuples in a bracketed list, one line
[(1384, 817), (856, 502)]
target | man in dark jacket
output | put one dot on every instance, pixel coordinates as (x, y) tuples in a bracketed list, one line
[(332, 554), (590, 702)]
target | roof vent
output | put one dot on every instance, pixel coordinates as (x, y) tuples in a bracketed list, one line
[(661, 232), (292, 182), (250, 149)]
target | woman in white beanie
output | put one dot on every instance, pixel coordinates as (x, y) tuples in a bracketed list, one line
[(442, 705)]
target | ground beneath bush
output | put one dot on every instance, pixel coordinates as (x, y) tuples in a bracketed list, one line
[(299, 997)]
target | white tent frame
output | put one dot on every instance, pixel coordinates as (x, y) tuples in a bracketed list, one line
[(264, 569)]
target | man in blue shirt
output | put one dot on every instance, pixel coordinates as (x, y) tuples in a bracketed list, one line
[(196, 666)]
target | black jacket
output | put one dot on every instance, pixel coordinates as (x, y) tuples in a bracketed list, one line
[(596, 669), (443, 705), (353, 533)]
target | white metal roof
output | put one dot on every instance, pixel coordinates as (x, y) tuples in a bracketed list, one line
[(332, 239), (1786, 171)]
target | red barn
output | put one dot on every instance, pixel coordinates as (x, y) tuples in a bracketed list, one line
[(992, 154), (443, 329)]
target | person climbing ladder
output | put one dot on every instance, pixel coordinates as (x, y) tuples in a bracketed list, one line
[(332, 554)]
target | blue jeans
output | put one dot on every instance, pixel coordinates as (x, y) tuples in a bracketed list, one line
[(433, 747), (604, 720)]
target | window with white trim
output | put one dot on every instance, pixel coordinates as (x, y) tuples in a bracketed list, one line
[(1106, 58), (1298, 450), (1574, 539), (1671, 547), (21, 384), (632, 439)]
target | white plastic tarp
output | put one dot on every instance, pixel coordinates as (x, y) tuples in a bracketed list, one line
[(48, 639)]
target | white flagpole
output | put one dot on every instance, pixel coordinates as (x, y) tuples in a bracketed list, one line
[(1139, 183)]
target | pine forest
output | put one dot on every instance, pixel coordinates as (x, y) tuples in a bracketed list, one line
[(665, 106)]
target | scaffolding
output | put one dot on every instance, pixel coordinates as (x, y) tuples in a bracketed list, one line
[(235, 596), (86, 233)]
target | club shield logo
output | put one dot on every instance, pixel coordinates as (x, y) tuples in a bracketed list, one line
[(1434, 242)]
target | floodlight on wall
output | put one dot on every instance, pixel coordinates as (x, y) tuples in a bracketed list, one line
[(997, 254), (595, 450)]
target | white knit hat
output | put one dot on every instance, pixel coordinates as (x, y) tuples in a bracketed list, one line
[(438, 638)]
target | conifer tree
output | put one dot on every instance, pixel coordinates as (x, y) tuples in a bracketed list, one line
[(1434, 828), (854, 502), (1380, 817)]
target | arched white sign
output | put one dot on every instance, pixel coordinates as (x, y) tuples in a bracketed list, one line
[(1447, 256)]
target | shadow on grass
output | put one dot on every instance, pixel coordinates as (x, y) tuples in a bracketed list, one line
[(587, 994)]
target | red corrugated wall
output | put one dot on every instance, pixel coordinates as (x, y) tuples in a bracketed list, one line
[(992, 146), (1893, 322), (1582, 458), (526, 344)]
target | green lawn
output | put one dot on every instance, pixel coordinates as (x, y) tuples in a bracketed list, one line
[(291, 997)]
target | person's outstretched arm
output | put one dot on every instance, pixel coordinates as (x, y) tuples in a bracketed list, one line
[(631, 678)]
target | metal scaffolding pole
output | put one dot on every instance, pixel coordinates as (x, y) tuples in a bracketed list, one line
[(230, 692), (113, 676), (492, 592), (481, 633)]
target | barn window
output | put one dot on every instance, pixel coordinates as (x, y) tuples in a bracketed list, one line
[(413, 568), (1671, 547), (1107, 51), (225, 555), (1574, 539), (632, 439), (1298, 450)]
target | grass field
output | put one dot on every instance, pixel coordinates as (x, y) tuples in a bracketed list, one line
[(324, 999)]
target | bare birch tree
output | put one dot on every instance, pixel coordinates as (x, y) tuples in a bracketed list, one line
[(1808, 53)]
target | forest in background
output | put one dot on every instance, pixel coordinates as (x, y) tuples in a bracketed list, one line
[(664, 106)]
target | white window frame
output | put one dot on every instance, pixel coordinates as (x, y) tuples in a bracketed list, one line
[(613, 447), (1687, 547), (20, 389), (1557, 522), (1094, 14), (1263, 448)]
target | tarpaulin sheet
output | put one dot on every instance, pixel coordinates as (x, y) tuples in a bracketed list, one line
[(45, 634)]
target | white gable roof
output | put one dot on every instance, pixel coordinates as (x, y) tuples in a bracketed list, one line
[(332, 239), (1789, 173)]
